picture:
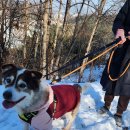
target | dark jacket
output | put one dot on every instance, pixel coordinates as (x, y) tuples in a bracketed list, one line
[(120, 59)]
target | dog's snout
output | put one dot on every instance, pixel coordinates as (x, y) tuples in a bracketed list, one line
[(7, 95)]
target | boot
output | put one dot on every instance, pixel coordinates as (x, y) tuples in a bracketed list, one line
[(118, 119), (103, 110)]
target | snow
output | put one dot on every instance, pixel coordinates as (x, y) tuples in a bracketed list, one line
[(87, 119)]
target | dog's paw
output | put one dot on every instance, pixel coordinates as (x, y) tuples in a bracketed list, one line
[(65, 129), (26, 127)]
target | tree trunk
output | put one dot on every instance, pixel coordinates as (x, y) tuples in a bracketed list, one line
[(75, 33), (2, 39), (25, 29), (60, 46), (45, 36), (56, 36), (100, 10)]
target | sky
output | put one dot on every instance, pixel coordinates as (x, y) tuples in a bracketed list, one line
[(109, 3)]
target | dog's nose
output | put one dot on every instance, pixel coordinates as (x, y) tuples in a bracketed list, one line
[(7, 95)]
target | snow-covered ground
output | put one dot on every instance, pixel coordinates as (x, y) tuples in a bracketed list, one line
[(87, 118)]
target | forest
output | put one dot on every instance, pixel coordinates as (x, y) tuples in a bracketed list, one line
[(44, 35)]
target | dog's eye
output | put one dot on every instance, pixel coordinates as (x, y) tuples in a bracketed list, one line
[(8, 81), (22, 86)]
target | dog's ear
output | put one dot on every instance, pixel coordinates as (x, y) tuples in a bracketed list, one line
[(36, 74), (8, 67)]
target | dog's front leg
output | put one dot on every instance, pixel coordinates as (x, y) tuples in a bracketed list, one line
[(71, 117), (26, 126)]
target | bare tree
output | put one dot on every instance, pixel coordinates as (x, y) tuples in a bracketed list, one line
[(100, 11), (76, 29), (3, 51), (45, 35), (56, 36), (25, 28), (60, 45)]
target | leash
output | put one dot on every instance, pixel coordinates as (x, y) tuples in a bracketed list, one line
[(108, 68), (109, 46), (82, 58)]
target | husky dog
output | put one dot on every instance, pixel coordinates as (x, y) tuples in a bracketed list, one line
[(36, 102)]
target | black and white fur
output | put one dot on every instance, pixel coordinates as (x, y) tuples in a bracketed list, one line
[(27, 91)]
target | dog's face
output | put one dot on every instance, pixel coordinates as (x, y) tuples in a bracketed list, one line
[(20, 85)]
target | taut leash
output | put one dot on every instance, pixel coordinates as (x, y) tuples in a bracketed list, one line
[(112, 46), (82, 58)]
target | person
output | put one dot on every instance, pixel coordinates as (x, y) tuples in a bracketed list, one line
[(121, 58)]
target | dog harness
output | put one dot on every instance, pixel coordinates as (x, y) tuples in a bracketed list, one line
[(27, 117), (65, 99)]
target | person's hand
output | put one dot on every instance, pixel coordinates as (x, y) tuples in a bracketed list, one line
[(121, 33), (129, 35)]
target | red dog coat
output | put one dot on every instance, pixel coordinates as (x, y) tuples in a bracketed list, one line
[(67, 97)]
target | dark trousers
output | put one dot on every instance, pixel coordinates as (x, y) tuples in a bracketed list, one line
[(122, 103)]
